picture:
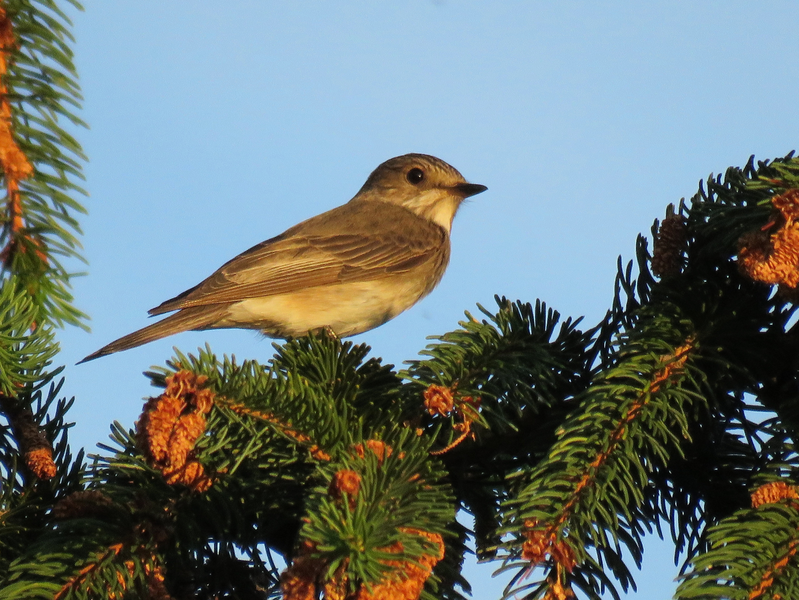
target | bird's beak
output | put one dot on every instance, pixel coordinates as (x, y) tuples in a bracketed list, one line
[(467, 189)]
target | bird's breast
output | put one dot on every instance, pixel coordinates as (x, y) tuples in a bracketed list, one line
[(346, 308)]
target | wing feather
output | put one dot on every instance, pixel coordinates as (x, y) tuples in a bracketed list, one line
[(349, 243)]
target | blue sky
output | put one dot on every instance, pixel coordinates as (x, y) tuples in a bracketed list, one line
[(217, 125)]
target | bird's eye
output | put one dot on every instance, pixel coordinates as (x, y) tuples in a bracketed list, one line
[(415, 175)]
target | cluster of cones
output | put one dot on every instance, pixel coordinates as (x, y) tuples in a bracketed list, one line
[(771, 254)]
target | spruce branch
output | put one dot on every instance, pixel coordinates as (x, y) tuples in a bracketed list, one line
[(40, 161), (27, 347), (752, 554), (588, 491)]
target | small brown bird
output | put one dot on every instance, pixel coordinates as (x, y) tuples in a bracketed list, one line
[(348, 270)]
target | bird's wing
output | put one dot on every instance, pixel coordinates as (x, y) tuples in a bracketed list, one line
[(350, 243)]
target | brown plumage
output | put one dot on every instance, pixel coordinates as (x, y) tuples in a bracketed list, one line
[(349, 269)]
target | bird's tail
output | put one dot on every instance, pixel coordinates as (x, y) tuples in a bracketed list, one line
[(195, 317)]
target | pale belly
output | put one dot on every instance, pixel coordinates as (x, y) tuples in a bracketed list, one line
[(347, 309)]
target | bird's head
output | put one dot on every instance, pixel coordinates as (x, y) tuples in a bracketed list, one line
[(423, 184)]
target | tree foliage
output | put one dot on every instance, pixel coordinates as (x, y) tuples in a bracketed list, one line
[(326, 473)]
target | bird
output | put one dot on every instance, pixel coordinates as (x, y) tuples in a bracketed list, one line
[(345, 271)]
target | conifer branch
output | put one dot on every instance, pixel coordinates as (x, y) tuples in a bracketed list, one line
[(40, 161), (752, 554)]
